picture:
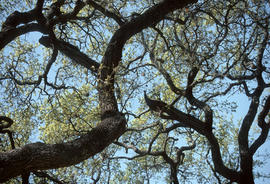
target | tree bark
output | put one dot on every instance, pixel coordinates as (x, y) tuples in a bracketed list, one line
[(40, 156)]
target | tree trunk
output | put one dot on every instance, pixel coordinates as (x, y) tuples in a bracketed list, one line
[(246, 174)]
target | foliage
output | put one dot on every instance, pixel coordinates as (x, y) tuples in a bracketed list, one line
[(196, 59)]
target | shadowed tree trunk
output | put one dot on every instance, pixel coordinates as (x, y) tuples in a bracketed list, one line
[(40, 156), (196, 66)]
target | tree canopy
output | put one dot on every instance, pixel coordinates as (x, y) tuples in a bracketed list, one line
[(134, 91)]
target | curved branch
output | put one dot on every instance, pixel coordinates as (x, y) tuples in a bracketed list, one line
[(264, 126), (42, 156), (16, 18), (217, 159), (9, 35), (186, 120), (113, 52), (8, 123), (193, 101), (246, 152), (68, 16)]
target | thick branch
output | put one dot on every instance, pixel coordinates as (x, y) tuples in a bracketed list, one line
[(9, 35), (249, 118), (193, 101), (40, 156), (17, 18), (217, 159), (264, 126), (5, 122), (68, 16), (187, 120), (246, 161), (113, 53)]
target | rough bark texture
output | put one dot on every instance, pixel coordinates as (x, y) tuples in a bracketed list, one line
[(40, 156)]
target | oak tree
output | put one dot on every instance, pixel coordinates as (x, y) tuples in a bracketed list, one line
[(133, 91)]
